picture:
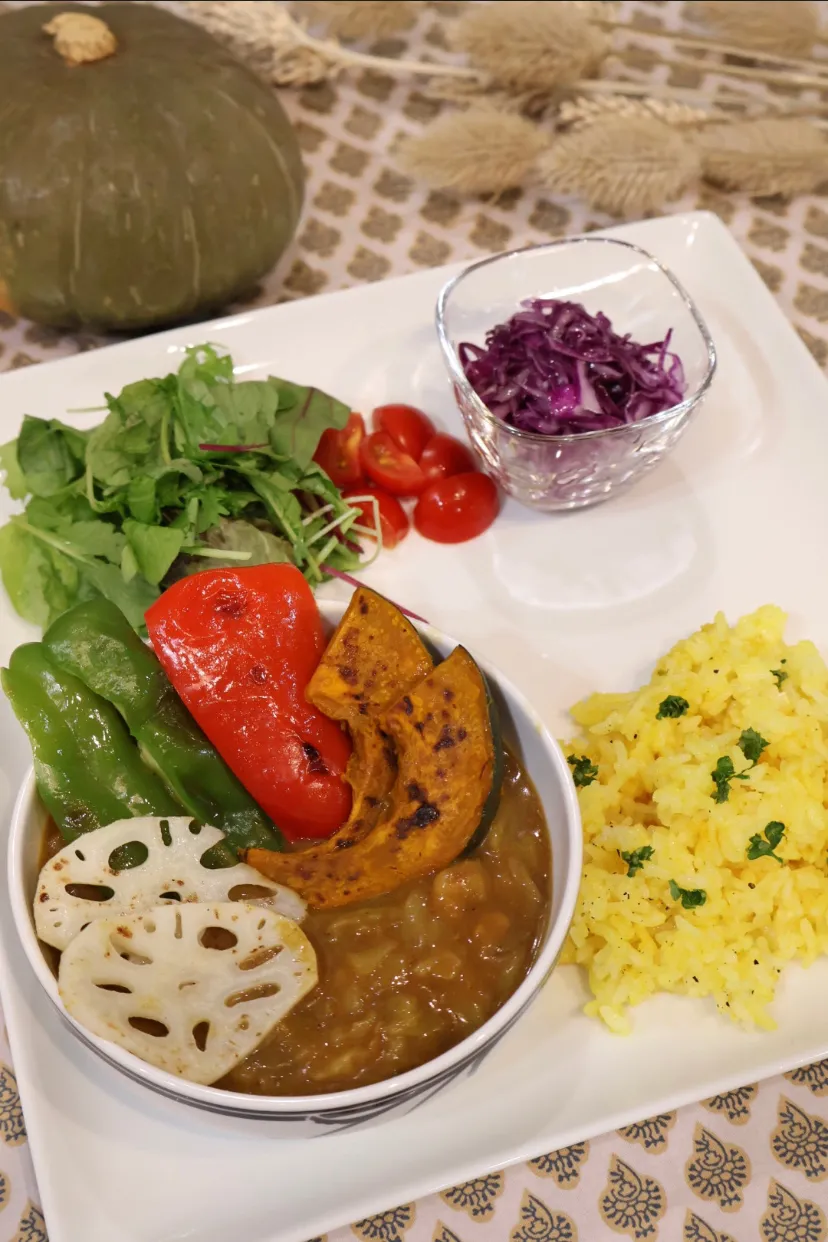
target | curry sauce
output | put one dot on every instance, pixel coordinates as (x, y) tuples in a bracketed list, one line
[(406, 976)]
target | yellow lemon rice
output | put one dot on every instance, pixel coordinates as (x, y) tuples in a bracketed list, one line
[(654, 788)]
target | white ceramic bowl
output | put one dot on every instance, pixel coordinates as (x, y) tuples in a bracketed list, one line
[(308, 1116)]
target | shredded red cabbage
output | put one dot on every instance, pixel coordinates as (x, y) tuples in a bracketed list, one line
[(557, 370)]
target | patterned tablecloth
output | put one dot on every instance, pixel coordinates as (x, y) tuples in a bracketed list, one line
[(746, 1165)]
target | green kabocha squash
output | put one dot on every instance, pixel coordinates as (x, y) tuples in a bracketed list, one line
[(145, 175)]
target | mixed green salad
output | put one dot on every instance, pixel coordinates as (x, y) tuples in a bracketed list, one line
[(195, 470)]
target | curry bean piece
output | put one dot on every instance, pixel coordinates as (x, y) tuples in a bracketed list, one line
[(466, 1009), (491, 929), (524, 889), (417, 919), (354, 997), (353, 924), (460, 887), (391, 972), (404, 1011), (442, 964), (366, 961), (349, 1061), (510, 969)]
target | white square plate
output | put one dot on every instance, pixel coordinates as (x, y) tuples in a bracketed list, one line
[(737, 517)]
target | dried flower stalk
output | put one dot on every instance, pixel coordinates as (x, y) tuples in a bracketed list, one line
[(766, 156), (624, 166), (263, 33), (782, 26), (482, 151), (582, 111), (363, 19), (525, 45)]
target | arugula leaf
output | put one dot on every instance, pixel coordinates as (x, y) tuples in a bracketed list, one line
[(142, 498), (243, 539), (154, 547), (584, 770), (40, 581), (635, 859), (130, 439), (133, 598), (672, 707), (751, 744), (691, 898), (757, 848), (282, 506), (129, 564), (14, 481), (72, 519), (122, 509), (95, 538), (50, 455), (304, 413), (215, 504)]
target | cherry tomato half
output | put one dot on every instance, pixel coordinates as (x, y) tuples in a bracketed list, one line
[(407, 426), (456, 509), (389, 466), (444, 456), (394, 524), (338, 452)]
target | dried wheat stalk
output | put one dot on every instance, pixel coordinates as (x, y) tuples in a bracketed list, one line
[(472, 94), (782, 26), (708, 43), (624, 166), (766, 156), (272, 42), (582, 111), (482, 151), (363, 19), (597, 10), (779, 77), (525, 45)]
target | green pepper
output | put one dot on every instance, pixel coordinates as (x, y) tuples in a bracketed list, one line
[(88, 769), (94, 642)]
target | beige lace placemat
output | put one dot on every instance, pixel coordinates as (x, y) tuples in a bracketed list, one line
[(749, 1165)]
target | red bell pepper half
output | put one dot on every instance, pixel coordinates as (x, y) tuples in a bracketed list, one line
[(240, 646)]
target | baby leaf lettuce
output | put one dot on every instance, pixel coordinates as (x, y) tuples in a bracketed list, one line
[(185, 472)]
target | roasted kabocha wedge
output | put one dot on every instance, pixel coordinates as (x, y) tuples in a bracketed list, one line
[(373, 658), (447, 786), (375, 655)]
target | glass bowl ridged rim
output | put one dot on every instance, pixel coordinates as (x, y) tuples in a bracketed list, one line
[(458, 375)]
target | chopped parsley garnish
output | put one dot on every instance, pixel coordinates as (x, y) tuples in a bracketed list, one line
[(672, 707), (691, 898), (774, 832), (635, 859), (780, 675), (723, 773), (584, 770), (751, 744)]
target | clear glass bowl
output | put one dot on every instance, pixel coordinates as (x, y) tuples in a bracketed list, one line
[(641, 297)]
